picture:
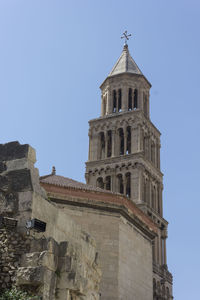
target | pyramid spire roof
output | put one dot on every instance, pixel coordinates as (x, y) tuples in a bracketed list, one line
[(125, 64)]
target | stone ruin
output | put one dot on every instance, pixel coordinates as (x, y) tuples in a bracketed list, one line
[(60, 263)]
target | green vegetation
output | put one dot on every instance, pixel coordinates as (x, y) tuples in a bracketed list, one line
[(16, 294)]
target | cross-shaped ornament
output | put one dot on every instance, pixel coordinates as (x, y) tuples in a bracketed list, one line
[(125, 36)]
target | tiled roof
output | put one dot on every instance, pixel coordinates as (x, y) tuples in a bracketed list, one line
[(69, 183), (125, 64)]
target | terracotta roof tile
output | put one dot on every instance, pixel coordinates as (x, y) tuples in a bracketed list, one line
[(69, 183)]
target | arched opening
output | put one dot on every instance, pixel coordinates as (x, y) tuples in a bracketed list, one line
[(154, 288), (153, 200), (114, 101), (100, 183), (120, 184), (128, 184), (121, 141), (130, 99), (109, 144), (102, 145), (108, 183), (119, 100), (153, 152), (128, 150), (167, 293), (158, 288), (135, 100), (163, 291)]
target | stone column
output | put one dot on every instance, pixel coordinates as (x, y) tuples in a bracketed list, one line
[(135, 186), (94, 147), (134, 139), (158, 155), (102, 105), (140, 99), (113, 142), (161, 201), (125, 98), (90, 145), (148, 106), (140, 185), (109, 101), (165, 252)]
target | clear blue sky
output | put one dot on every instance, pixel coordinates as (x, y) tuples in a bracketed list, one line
[(53, 57)]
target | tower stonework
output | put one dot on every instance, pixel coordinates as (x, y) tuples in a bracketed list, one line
[(124, 155)]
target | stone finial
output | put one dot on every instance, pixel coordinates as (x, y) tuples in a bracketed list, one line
[(53, 170)]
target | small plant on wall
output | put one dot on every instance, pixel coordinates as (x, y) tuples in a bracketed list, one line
[(16, 294)]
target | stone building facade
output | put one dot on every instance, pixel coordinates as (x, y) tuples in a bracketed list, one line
[(124, 154), (123, 234), (59, 263)]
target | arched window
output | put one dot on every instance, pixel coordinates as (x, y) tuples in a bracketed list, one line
[(128, 184), (158, 288), (153, 152), (163, 291), (120, 184), (108, 183), (135, 100), (102, 145), (119, 100), (121, 141), (109, 145), (154, 287), (100, 182), (114, 101), (167, 293), (130, 99), (128, 150), (146, 146)]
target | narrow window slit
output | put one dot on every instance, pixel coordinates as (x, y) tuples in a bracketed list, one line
[(135, 102), (114, 101), (109, 150), (108, 183), (130, 99)]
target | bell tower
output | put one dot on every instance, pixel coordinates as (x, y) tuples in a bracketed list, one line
[(124, 154)]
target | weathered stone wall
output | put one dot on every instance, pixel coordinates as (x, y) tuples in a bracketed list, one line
[(60, 263), (125, 254), (12, 246), (104, 227)]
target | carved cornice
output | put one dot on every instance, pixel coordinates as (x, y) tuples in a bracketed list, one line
[(163, 272), (134, 160)]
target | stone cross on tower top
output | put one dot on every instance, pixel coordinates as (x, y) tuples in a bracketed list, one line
[(125, 36)]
